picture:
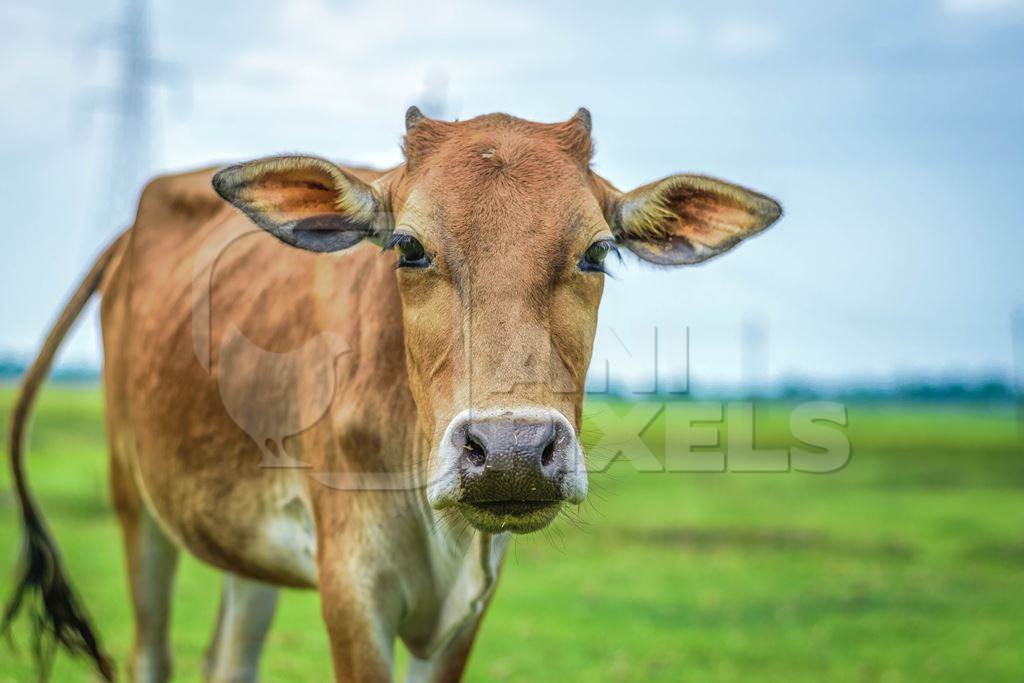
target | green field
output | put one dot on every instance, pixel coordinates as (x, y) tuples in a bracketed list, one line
[(907, 564)]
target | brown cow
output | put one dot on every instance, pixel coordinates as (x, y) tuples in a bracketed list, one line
[(312, 416)]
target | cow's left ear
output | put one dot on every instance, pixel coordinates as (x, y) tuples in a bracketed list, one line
[(307, 202), (686, 219)]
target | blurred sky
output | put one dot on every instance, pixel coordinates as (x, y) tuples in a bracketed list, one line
[(893, 133)]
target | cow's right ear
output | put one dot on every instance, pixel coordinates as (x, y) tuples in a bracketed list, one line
[(307, 202)]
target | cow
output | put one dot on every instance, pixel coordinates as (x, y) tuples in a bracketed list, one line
[(355, 381)]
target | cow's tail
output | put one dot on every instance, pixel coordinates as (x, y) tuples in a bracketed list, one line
[(42, 585)]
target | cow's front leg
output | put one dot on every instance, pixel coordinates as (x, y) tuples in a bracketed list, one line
[(246, 611), (360, 624), (362, 648)]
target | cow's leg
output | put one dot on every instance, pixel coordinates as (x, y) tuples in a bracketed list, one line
[(151, 559), (448, 663), (246, 612), (360, 648), (360, 628)]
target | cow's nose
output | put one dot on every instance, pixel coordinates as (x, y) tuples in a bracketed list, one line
[(515, 457), (529, 457)]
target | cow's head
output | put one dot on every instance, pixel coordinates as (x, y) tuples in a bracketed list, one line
[(501, 231)]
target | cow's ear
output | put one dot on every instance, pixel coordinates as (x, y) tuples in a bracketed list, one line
[(686, 219), (307, 202)]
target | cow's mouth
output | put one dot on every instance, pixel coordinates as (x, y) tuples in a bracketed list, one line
[(517, 516)]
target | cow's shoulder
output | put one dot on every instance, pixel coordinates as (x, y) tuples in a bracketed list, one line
[(188, 197), (364, 173), (180, 197)]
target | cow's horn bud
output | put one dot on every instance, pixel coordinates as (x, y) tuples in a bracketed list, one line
[(413, 115)]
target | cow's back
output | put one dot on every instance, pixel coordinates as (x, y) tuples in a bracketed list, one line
[(227, 354)]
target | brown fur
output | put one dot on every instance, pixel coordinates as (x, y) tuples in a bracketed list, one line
[(503, 316)]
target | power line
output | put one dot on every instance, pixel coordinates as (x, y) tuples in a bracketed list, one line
[(131, 145)]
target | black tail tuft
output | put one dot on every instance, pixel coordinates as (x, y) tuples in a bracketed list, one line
[(43, 588)]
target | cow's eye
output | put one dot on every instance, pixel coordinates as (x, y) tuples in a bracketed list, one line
[(594, 256), (411, 253)]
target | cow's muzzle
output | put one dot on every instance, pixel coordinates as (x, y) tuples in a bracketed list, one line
[(509, 470)]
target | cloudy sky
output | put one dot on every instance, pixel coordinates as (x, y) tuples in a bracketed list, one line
[(893, 133)]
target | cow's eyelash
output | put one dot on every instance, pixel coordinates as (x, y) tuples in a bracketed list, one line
[(411, 253), (594, 258), (394, 240)]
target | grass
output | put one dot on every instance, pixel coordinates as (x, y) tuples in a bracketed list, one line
[(906, 564)]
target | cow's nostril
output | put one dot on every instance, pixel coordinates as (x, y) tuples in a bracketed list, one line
[(548, 454), (475, 452), (490, 459)]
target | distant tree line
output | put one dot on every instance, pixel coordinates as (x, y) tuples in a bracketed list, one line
[(947, 389), (953, 390), (989, 390), (12, 368)]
